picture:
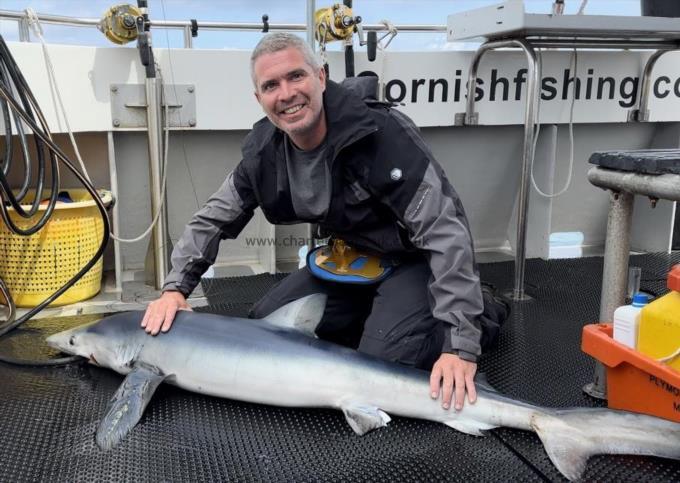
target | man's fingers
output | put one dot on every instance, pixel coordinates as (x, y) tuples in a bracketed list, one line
[(460, 389), (155, 321), (471, 389), (169, 318), (448, 389), (151, 326), (453, 376), (161, 312), (145, 320), (158, 323), (435, 381)]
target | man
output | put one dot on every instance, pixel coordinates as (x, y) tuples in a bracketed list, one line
[(361, 171)]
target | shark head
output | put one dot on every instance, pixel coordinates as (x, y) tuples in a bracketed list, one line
[(104, 343)]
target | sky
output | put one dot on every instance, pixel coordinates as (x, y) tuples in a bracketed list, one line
[(290, 11)]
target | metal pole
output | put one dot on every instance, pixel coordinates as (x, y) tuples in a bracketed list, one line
[(24, 31), (113, 177), (470, 117), (237, 26), (188, 39), (663, 186), (527, 155), (641, 113), (614, 274), (155, 131), (311, 8), (616, 252)]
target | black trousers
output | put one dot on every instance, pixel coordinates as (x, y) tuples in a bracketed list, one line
[(391, 320)]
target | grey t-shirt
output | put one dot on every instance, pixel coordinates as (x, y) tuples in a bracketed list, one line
[(310, 181)]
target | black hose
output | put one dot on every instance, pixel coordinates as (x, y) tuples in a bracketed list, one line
[(15, 81), (12, 82)]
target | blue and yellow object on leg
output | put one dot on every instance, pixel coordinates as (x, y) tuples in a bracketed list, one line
[(339, 262)]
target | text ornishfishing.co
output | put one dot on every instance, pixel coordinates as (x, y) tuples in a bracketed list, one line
[(586, 85)]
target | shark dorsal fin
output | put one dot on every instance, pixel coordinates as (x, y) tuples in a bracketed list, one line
[(482, 381), (303, 314)]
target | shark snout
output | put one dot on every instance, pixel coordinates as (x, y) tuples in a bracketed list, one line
[(64, 341)]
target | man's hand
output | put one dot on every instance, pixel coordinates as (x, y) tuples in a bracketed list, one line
[(161, 312), (456, 373)]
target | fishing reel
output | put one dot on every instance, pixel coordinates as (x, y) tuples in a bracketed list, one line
[(119, 23), (124, 23), (335, 23), (338, 23)]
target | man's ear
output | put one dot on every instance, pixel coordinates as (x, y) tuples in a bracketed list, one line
[(322, 77), (257, 96)]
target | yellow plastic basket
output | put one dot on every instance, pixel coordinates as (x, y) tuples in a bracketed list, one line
[(36, 266)]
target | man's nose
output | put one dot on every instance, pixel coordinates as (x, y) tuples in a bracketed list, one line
[(286, 91)]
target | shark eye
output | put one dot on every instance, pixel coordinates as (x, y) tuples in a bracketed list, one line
[(72, 340)]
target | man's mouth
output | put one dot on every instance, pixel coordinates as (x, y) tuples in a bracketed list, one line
[(293, 109)]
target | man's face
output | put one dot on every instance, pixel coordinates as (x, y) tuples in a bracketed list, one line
[(291, 95)]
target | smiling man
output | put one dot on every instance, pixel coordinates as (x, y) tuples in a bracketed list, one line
[(292, 99), (333, 155)]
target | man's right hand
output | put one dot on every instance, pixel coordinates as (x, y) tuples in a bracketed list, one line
[(161, 312)]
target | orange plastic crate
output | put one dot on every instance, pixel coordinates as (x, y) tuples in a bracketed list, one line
[(635, 382)]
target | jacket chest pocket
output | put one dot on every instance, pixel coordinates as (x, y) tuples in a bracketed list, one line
[(356, 193)]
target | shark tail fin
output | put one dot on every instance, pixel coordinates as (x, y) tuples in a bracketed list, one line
[(303, 314), (572, 436)]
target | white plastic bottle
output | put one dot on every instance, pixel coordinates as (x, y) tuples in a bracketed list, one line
[(627, 321)]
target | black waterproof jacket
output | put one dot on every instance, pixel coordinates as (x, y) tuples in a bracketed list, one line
[(389, 195)]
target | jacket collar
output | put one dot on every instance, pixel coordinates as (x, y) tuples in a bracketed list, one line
[(347, 116)]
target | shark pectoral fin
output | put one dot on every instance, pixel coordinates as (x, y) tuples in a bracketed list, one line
[(473, 428), (127, 405), (568, 447), (303, 314), (364, 418)]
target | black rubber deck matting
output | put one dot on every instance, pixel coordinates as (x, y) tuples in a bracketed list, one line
[(48, 416)]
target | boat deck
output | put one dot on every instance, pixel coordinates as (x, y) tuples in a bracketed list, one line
[(49, 416)]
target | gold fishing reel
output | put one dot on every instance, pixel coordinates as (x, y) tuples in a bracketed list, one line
[(334, 23), (119, 23)]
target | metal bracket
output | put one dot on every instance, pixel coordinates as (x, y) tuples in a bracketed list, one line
[(128, 105), (461, 119), (636, 115)]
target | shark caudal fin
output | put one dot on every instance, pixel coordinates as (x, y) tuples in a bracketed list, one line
[(303, 314), (572, 436)]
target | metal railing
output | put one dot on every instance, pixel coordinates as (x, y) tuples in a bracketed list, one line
[(185, 25)]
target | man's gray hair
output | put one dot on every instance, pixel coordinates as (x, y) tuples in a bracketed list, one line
[(278, 41)]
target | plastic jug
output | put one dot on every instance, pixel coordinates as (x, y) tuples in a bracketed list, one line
[(627, 321)]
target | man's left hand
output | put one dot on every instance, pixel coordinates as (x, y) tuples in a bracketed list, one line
[(451, 372)]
